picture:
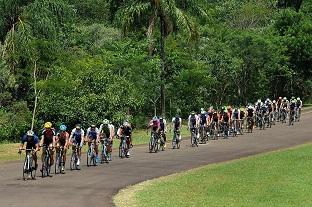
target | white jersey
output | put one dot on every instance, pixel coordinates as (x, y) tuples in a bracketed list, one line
[(111, 129)]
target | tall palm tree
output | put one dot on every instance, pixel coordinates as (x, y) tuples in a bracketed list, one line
[(166, 15)]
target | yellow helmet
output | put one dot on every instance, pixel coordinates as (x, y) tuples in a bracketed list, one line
[(48, 125)]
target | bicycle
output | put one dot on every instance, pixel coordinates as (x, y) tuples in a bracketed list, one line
[(162, 141), (260, 121), (154, 144), (291, 117), (123, 148), (74, 158), (225, 130), (283, 116), (214, 130), (202, 134), (29, 170), (176, 139), (91, 155), (59, 161), (249, 124), (297, 114), (105, 155), (194, 139), (46, 167)]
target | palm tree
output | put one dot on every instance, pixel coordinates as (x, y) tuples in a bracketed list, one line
[(166, 15)]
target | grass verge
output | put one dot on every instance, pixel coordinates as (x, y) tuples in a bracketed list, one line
[(279, 179)]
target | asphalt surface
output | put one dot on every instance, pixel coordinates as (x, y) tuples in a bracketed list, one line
[(95, 186)]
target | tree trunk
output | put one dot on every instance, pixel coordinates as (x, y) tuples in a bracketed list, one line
[(36, 96), (162, 66)]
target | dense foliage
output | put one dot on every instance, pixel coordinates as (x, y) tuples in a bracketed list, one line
[(129, 59)]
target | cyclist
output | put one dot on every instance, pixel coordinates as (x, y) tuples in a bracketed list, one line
[(177, 125), (124, 131), (250, 116), (235, 117), (203, 121), (225, 119), (242, 113), (163, 129), (76, 140), (32, 142), (292, 107), (299, 105), (48, 139), (62, 140), (154, 124), (128, 133), (107, 130), (93, 135)]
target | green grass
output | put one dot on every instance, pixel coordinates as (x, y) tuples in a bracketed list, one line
[(279, 179), (8, 151)]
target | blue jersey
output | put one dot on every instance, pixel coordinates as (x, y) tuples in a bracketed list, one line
[(31, 141)]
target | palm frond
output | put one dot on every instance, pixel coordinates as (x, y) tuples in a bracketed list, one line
[(132, 11)]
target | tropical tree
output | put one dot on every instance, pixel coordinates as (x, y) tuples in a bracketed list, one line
[(168, 16)]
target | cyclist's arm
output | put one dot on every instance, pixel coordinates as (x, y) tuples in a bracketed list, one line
[(41, 141), (22, 143), (112, 132)]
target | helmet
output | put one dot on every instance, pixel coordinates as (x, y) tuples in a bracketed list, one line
[(259, 101), (30, 133), (126, 123), (292, 97), (280, 98), (274, 101), (48, 125), (105, 121), (193, 113), (298, 99), (63, 127), (293, 101), (78, 126), (203, 112), (284, 98), (92, 126), (155, 118)]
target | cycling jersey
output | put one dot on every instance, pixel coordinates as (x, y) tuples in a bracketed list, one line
[(62, 136), (155, 124), (106, 129), (128, 131), (215, 117), (77, 135), (177, 122), (235, 114), (162, 124), (31, 141), (250, 112), (192, 121), (225, 117), (92, 133), (48, 135), (292, 106), (242, 114), (203, 119)]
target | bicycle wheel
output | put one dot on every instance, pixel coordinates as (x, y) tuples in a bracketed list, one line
[(43, 167), (25, 168), (103, 154), (33, 168), (121, 149), (48, 167), (73, 162), (89, 157), (57, 164), (178, 142)]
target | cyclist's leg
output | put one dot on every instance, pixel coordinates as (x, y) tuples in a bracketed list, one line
[(52, 155), (35, 160)]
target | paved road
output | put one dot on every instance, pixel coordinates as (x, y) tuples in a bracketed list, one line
[(95, 186)]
